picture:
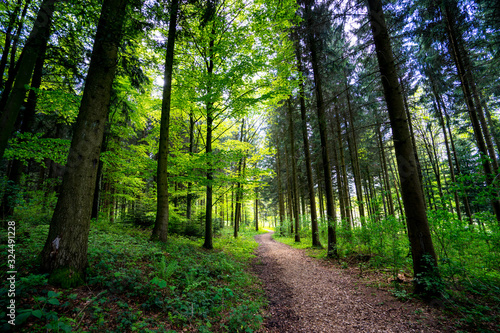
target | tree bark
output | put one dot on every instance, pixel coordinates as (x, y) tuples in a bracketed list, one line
[(160, 230), (423, 254), (466, 80), (353, 149), (281, 202), (295, 190), (8, 39), (320, 108), (189, 195), (305, 139), (65, 252), (35, 44)]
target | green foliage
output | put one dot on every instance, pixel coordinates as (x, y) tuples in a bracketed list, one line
[(134, 284), (28, 146), (53, 322), (141, 216), (35, 207), (66, 278)]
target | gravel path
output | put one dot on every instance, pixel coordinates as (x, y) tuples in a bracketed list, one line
[(306, 296)]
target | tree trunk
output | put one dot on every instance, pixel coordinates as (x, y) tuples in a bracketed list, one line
[(353, 149), (423, 255), (281, 201), (160, 230), (343, 174), (256, 210), (387, 185), (465, 197), (189, 195), (28, 120), (8, 38), (239, 187), (307, 153), (208, 150), (291, 134), (12, 45), (65, 252), (320, 108), (447, 144), (35, 45), (459, 57), (310, 183), (98, 180), (289, 190)]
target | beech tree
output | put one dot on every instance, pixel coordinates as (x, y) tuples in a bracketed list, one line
[(160, 230)]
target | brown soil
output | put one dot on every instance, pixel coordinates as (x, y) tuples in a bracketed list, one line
[(307, 296)]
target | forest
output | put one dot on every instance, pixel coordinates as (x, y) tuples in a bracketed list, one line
[(147, 145)]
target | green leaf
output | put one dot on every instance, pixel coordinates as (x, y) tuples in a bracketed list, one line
[(159, 282), (53, 301), (21, 317), (37, 313), (52, 294)]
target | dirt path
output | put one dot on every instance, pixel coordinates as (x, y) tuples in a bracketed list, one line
[(305, 296)]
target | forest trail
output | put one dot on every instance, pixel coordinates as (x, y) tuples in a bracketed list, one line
[(307, 296)]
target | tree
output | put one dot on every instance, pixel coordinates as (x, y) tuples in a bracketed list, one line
[(35, 45), (422, 249), (320, 108), (305, 139), (160, 230), (65, 252)]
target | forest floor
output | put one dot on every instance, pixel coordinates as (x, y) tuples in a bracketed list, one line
[(311, 295)]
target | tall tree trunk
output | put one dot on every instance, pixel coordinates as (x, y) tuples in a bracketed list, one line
[(12, 45), (160, 230), (353, 149), (423, 254), (291, 134), (289, 190), (239, 187), (208, 244), (65, 251), (343, 174), (338, 172), (387, 185), (35, 45), (320, 108), (281, 201), (412, 133), (466, 80), (256, 210), (437, 100), (465, 197), (98, 181), (305, 139), (8, 39), (27, 123), (189, 195)]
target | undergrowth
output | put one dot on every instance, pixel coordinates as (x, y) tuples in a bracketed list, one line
[(137, 285)]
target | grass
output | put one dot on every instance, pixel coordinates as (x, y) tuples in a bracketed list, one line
[(137, 285)]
